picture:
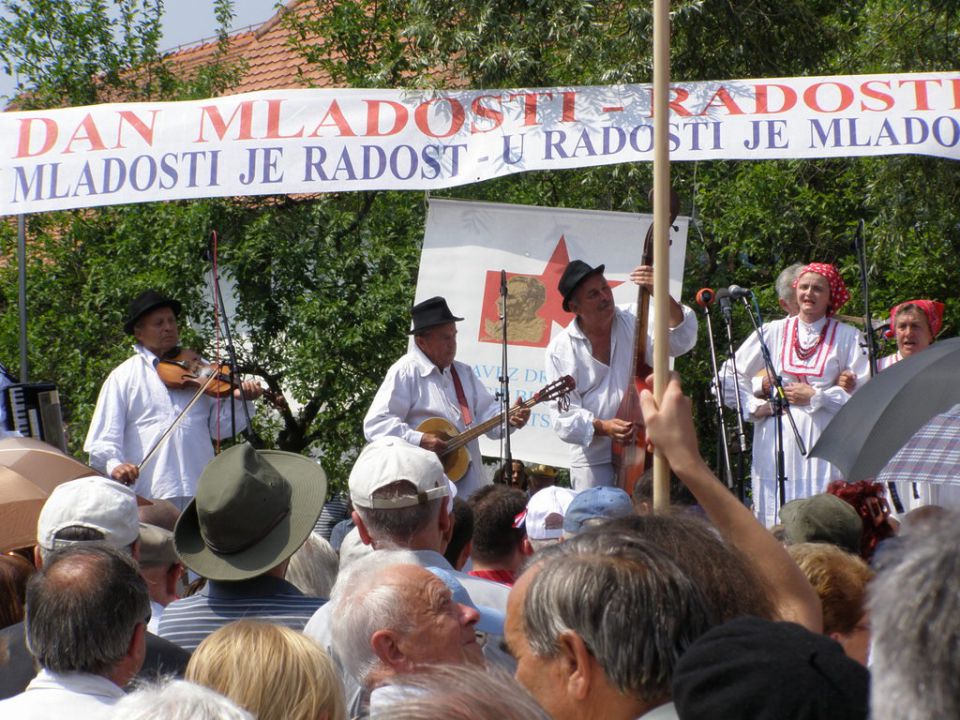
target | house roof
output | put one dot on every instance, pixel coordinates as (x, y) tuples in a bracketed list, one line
[(270, 61)]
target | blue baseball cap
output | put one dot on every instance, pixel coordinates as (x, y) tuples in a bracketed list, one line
[(604, 503), (491, 621)]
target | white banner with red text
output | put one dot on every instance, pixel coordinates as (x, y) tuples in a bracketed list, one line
[(466, 245), (336, 140)]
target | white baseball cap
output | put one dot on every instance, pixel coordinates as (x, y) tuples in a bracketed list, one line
[(388, 460), (91, 502), (545, 511)]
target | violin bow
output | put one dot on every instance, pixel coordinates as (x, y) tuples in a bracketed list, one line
[(183, 413)]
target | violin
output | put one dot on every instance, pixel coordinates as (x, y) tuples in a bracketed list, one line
[(184, 368)]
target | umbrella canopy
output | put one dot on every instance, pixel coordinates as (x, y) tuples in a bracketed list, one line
[(46, 466), (884, 413), (29, 471), (20, 503), (932, 455)]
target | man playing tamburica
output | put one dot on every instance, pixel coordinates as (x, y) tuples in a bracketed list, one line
[(428, 383)]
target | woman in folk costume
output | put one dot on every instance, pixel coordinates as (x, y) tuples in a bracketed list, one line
[(914, 325), (809, 351)]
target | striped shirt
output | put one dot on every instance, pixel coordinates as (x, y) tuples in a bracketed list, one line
[(188, 621), (334, 511)]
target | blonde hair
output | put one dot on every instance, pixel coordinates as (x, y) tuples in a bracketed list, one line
[(840, 579), (274, 672)]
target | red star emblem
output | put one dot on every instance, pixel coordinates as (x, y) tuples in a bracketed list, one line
[(533, 303)]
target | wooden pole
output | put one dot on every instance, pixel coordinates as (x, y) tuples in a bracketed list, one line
[(661, 229)]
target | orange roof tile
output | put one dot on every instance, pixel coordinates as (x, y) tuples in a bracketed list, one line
[(270, 61)]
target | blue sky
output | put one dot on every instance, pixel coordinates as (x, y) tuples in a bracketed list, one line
[(185, 22)]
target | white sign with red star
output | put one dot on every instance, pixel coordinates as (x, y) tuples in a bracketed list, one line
[(466, 245)]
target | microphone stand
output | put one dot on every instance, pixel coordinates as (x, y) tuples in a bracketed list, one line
[(781, 404), (731, 355), (870, 338), (704, 299), (504, 392), (221, 309)]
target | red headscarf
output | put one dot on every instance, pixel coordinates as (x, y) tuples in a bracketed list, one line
[(931, 308), (838, 291)]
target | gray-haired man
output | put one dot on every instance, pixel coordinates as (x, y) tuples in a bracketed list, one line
[(87, 613), (597, 626), (89, 509)]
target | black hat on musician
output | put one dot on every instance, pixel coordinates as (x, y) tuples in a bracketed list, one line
[(145, 302), (575, 273), (431, 312)]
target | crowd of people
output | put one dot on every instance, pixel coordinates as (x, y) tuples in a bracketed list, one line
[(231, 586)]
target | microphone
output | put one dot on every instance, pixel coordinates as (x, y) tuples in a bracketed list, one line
[(503, 283), (723, 295), (739, 293), (705, 297)]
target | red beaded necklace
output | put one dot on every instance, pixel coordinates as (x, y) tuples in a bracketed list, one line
[(805, 353)]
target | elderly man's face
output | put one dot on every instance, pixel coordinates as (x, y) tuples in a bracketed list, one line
[(592, 301), (157, 331), (439, 344), (443, 630), (789, 304), (542, 677)]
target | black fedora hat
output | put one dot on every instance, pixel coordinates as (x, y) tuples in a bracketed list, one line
[(431, 312), (253, 510), (575, 273), (145, 302)]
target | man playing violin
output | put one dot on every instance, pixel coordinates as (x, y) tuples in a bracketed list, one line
[(135, 408), (427, 382), (596, 348)]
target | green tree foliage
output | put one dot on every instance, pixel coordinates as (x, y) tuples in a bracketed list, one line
[(82, 52), (78, 52)]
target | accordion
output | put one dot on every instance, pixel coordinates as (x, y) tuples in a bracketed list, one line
[(33, 410)]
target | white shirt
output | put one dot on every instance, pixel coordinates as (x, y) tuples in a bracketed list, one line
[(77, 696), (156, 612), (667, 711), (135, 408), (415, 390), (839, 351), (600, 387)]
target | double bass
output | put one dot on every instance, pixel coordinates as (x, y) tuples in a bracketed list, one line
[(630, 458)]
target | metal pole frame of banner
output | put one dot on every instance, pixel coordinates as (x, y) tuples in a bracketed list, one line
[(22, 279), (661, 230)]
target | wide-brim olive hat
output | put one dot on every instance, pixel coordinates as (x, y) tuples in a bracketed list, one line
[(575, 273), (253, 510), (430, 313), (145, 302)]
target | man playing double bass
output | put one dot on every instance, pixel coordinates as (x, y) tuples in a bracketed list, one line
[(427, 382), (596, 348), (135, 408)]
